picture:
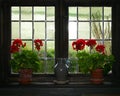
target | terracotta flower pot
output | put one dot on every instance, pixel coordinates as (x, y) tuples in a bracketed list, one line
[(97, 76), (25, 76)]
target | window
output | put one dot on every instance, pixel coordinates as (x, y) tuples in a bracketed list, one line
[(51, 16), (29, 23), (86, 23)]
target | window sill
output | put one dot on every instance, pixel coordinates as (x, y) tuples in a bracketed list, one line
[(52, 89)]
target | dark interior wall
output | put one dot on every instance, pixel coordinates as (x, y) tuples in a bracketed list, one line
[(116, 38), (4, 40), (1, 38)]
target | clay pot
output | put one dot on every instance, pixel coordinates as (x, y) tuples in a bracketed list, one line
[(25, 76), (97, 76)]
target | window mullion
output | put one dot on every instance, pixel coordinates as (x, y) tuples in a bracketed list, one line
[(103, 25), (20, 22), (90, 23), (33, 28)]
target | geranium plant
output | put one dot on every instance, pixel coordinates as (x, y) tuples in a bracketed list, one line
[(93, 58), (21, 57)]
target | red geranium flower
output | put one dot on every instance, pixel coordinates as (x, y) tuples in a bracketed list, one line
[(16, 44), (100, 48), (78, 44), (14, 49), (91, 43), (38, 43)]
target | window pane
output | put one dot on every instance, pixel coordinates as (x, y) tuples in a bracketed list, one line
[(73, 66), (96, 13), (72, 53), (50, 13), (39, 30), (108, 47), (83, 13), (50, 47), (26, 30), (15, 30), (42, 51), (39, 13), (28, 44), (84, 30), (50, 65), (72, 13), (72, 30), (26, 13), (50, 30), (97, 30), (107, 13), (15, 13), (107, 30)]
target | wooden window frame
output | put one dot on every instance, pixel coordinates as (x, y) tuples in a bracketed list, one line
[(61, 35)]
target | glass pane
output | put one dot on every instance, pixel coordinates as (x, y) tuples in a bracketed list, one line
[(83, 13), (50, 13), (50, 30), (96, 13), (72, 53), (97, 30), (15, 13), (84, 30), (26, 30), (39, 13), (28, 45), (72, 30), (107, 13), (108, 47), (39, 30), (42, 51), (26, 13), (107, 30), (50, 65), (15, 30), (73, 68), (72, 13), (41, 66), (100, 41), (50, 48)]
